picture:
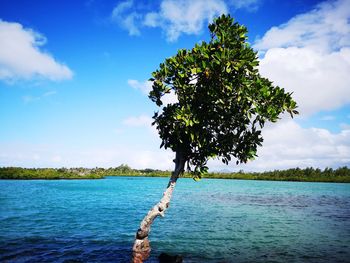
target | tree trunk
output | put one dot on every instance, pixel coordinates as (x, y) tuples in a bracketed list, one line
[(142, 249)]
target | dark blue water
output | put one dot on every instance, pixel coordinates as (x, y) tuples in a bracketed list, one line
[(209, 221)]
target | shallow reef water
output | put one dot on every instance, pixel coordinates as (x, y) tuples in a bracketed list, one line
[(213, 220)]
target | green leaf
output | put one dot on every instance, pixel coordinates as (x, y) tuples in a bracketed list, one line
[(192, 137), (197, 178)]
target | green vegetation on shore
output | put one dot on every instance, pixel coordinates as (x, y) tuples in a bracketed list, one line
[(340, 175), (46, 173)]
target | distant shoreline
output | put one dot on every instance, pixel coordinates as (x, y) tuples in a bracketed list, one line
[(339, 175)]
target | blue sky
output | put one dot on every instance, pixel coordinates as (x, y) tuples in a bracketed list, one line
[(73, 78)]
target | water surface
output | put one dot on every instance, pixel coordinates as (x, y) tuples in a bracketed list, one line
[(209, 221)]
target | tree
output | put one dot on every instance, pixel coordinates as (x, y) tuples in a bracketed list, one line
[(223, 104)]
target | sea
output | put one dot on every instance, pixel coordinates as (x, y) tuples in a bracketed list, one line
[(213, 220)]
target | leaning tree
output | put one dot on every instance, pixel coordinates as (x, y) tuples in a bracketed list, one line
[(222, 106)]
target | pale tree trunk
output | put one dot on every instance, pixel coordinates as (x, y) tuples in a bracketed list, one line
[(141, 249)]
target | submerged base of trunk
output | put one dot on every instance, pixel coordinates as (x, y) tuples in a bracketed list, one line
[(165, 258), (141, 249)]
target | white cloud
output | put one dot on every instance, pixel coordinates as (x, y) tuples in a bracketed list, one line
[(57, 159), (328, 118), (145, 87), (30, 98), (288, 144), (122, 7), (250, 5), (344, 126), (49, 93), (169, 98), (21, 57), (181, 16), (325, 28), (152, 19), (320, 81), (128, 20), (310, 56), (142, 120)]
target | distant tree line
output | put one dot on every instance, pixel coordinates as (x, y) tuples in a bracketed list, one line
[(46, 173), (76, 173), (340, 175)]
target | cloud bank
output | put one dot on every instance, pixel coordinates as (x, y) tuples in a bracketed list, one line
[(39, 155), (310, 55), (288, 145)]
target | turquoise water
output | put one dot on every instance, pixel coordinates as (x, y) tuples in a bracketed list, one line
[(208, 221)]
